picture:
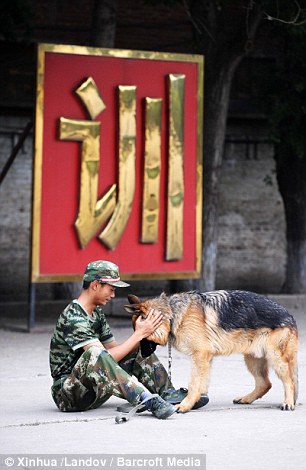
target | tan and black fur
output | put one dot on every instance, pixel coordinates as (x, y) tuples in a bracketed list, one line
[(204, 325)]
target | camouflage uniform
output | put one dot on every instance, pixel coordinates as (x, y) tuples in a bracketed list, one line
[(86, 379)]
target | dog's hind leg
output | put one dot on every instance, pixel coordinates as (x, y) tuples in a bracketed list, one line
[(199, 379), (260, 370), (284, 362)]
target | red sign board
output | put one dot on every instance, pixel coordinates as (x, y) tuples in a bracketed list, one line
[(63, 71)]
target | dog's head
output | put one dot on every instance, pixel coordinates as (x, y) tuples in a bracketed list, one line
[(138, 308)]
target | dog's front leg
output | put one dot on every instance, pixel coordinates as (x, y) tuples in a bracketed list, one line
[(198, 382)]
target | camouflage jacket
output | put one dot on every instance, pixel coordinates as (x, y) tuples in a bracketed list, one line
[(75, 329)]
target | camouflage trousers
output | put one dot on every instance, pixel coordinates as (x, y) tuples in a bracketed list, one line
[(97, 376)]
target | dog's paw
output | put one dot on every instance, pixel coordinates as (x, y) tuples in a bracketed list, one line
[(242, 401), (287, 407), (184, 407)]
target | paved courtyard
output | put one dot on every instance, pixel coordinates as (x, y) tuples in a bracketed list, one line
[(248, 437)]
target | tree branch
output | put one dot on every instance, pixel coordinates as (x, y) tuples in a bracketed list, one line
[(197, 24), (293, 22)]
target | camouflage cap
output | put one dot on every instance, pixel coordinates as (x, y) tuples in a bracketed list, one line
[(104, 271)]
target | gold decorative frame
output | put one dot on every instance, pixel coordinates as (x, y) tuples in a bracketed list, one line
[(36, 275)]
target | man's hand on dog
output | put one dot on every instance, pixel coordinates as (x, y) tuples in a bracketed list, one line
[(146, 326)]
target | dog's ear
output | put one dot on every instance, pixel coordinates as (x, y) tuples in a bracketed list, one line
[(134, 304), (133, 299), (133, 309)]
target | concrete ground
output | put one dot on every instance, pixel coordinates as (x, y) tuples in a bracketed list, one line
[(240, 437)]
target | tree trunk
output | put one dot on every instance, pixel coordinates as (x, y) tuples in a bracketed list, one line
[(226, 37), (291, 176)]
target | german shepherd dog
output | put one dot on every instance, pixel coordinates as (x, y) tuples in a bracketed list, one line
[(204, 325)]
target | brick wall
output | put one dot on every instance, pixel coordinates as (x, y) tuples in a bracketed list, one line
[(15, 194), (252, 241)]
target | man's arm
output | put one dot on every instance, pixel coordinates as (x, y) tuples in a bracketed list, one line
[(143, 329)]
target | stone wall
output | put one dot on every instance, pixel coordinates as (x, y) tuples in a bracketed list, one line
[(15, 196), (252, 228), (252, 240)]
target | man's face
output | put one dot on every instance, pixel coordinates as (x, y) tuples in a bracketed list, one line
[(105, 293)]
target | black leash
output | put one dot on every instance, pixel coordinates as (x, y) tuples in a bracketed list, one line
[(169, 358)]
